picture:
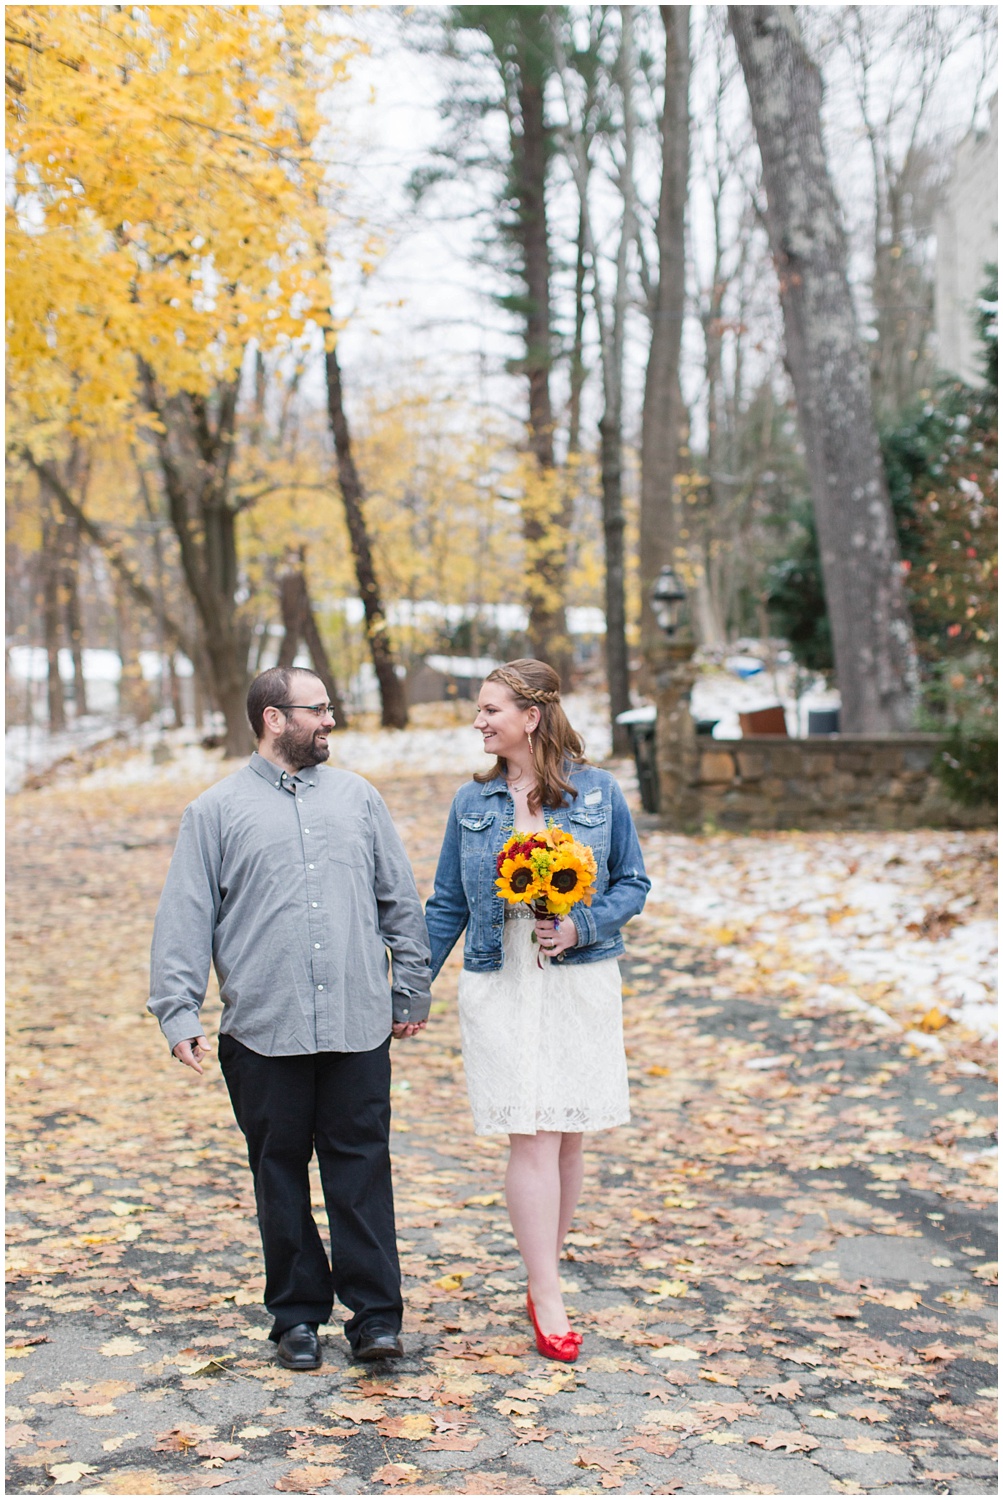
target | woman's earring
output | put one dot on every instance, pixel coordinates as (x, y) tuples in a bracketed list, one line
[(529, 736)]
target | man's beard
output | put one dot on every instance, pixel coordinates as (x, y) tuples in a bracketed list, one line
[(299, 747)]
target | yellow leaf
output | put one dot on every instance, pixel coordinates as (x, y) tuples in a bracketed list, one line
[(122, 1346), (453, 1281), (70, 1473), (675, 1352), (933, 1020)]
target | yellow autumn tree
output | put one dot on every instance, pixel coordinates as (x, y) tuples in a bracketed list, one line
[(168, 210)]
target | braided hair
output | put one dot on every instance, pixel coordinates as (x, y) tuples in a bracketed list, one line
[(556, 746)]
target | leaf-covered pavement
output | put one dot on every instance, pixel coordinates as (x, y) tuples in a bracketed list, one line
[(783, 1267)]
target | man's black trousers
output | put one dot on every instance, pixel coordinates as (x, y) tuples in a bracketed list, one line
[(337, 1103)]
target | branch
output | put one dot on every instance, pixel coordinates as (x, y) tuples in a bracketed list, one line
[(135, 585)]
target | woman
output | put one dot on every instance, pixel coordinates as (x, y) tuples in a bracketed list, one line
[(542, 1045)]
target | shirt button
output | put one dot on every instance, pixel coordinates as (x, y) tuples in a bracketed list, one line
[(313, 903), (405, 1012), (309, 867), (306, 830), (320, 986), (316, 945)]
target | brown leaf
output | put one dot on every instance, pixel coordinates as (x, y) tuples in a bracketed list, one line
[(466, 1442), (867, 1445), (867, 1414), (225, 1451), (790, 1442), (788, 1390), (394, 1474), (595, 1458), (414, 1426), (181, 1439), (311, 1477), (661, 1447)]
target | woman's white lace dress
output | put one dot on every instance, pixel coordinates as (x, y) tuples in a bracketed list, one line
[(543, 1048)]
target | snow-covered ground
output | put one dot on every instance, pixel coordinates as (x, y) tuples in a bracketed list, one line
[(875, 921)]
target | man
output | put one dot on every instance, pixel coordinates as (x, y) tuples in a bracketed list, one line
[(293, 881)]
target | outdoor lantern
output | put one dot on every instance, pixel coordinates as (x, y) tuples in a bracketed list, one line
[(667, 599)]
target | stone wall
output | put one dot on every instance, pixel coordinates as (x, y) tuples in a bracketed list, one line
[(837, 781)]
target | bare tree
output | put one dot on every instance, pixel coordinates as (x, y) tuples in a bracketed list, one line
[(610, 313), (872, 634), (300, 624), (662, 414), (392, 694)]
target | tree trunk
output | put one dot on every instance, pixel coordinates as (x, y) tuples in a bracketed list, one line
[(868, 614), (74, 617), (392, 693), (51, 579), (194, 441), (546, 546), (133, 693), (181, 637), (661, 418), (300, 624)]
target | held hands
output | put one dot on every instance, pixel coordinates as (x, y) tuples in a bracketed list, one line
[(555, 936), (403, 1029), (192, 1052)]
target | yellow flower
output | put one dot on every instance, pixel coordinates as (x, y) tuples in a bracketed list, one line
[(569, 879), (517, 880)]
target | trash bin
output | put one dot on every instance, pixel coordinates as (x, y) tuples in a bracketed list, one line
[(640, 724), (823, 721)]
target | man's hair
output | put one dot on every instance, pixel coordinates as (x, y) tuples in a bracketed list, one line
[(267, 691)]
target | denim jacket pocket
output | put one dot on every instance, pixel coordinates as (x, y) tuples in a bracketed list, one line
[(591, 826)]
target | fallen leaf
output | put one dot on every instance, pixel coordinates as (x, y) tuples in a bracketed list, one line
[(988, 1272), (70, 1473), (675, 1352), (414, 1426), (225, 1451), (867, 1414), (466, 1442), (254, 1432), (790, 1442), (867, 1445), (310, 1477), (938, 1351), (394, 1474), (121, 1347), (358, 1411), (181, 1439), (112, 1444)]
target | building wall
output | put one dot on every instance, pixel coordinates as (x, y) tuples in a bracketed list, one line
[(842, 781), (967, 229)]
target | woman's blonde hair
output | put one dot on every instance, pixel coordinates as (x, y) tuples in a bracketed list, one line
[(555, 744)]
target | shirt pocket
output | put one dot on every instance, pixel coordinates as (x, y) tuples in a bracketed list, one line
[(349, 842), (477, 855)]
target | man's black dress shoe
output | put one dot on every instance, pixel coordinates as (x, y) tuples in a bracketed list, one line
[(379, 1343), (299, 1347)]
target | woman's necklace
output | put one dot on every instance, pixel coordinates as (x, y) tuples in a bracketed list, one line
[(520, 784)]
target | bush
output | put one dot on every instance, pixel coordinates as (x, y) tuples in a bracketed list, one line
[(967, 768)]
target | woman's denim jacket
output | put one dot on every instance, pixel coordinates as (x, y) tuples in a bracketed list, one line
[(480, 821)]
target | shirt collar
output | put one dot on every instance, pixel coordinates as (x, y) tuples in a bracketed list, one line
[(492, 788), (274, 773)]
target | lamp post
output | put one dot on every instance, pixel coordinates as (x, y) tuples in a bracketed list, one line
[(667, 600), (676, 752)]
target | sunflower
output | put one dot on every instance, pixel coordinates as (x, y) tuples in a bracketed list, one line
[(517, 880), (569, 880)]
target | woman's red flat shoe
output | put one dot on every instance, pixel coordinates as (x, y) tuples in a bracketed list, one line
[(562, 1346)]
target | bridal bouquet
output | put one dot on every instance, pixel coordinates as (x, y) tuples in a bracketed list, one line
[(549, 870)]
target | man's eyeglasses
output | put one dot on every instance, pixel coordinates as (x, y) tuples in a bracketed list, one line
[(317, 709)]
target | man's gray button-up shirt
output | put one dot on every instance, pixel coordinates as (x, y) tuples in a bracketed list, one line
[(294, 887)]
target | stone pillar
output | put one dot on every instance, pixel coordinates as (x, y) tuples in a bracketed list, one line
[(677, 755)]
